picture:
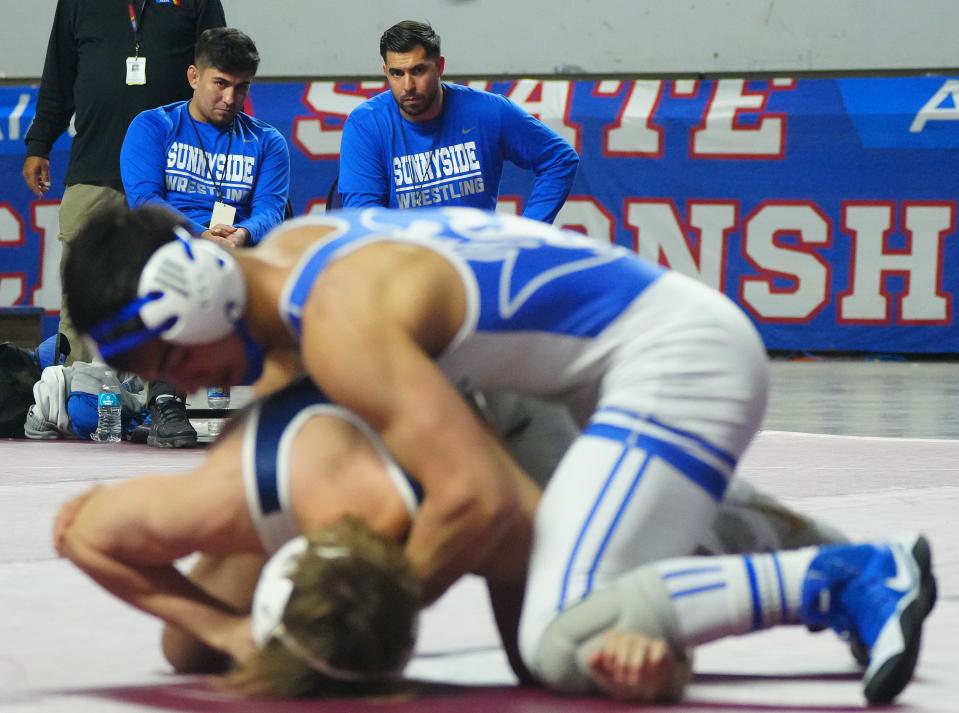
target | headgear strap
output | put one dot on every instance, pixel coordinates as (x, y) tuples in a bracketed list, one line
[(190, 291)]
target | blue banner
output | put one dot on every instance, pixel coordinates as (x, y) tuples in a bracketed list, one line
[(826, 208)]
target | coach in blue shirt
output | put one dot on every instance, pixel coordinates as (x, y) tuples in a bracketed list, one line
[(226, 172), (428, 143)]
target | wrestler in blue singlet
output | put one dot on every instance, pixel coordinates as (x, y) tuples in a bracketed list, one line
[(666, 377)]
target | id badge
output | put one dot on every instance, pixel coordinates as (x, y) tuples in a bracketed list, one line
[(223, 214), (136, 70)]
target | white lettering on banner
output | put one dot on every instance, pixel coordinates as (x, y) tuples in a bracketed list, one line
[(794, 276), (722, 135), (808, 272), (328, 99), (607, 87), (508, 205), (633, 133), (46, 219), (685, 87), (549, 102), (942, 106), (923, 301), (659, 236), (12, 285), (586, 215), (13, 120)]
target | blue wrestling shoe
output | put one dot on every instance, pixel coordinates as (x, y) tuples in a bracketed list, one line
[(877, 596)]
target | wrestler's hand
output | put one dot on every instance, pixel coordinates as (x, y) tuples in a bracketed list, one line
[(66, 516), (236, 639), (633, 667)]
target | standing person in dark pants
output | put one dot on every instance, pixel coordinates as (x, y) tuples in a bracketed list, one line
[(429, 143), (108, 60)]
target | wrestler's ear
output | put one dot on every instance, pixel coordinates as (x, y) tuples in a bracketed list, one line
[(193, 76)]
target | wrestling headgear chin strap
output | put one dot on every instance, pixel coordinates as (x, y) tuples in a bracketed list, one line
[(191, 291)]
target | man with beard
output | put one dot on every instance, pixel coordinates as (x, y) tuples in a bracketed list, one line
[(431, 143)]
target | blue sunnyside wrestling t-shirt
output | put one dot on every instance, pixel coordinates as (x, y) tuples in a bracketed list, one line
[(171, 160), (455, 159)]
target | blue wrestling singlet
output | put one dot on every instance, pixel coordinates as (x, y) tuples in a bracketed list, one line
[(535, 294), (665, 376)]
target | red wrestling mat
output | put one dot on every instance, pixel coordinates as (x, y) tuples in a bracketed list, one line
[(68, 647), (199, 697)]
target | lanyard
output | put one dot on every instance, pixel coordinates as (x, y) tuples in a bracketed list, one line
[(206, 157), (136, 22)]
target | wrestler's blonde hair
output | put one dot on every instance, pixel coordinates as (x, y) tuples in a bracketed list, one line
[(349, 625)]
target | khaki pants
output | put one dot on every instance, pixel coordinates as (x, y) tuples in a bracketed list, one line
[(79, 202)]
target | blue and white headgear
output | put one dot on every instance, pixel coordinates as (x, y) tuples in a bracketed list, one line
[(196, 292), (191, 291)]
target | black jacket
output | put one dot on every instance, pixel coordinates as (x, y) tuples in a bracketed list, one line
[(85, 72)]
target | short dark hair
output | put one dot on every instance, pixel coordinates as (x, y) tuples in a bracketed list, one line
[(227, 49), (102, 271), (408, 35)]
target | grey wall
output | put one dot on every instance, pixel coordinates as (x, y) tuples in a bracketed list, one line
[(319, 38)]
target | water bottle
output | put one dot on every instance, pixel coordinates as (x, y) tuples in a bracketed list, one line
[(109, 405), (217, 397)]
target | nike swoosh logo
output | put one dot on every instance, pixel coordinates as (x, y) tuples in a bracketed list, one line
[(466, 131), (904, 579)]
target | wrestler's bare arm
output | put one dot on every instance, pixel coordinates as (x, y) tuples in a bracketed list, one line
[(371, 327), (280, 367), (231, 580), (506, 600), (127, 536), (505, 571)]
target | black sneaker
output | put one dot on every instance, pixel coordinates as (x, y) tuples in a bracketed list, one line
[(170, 428)]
